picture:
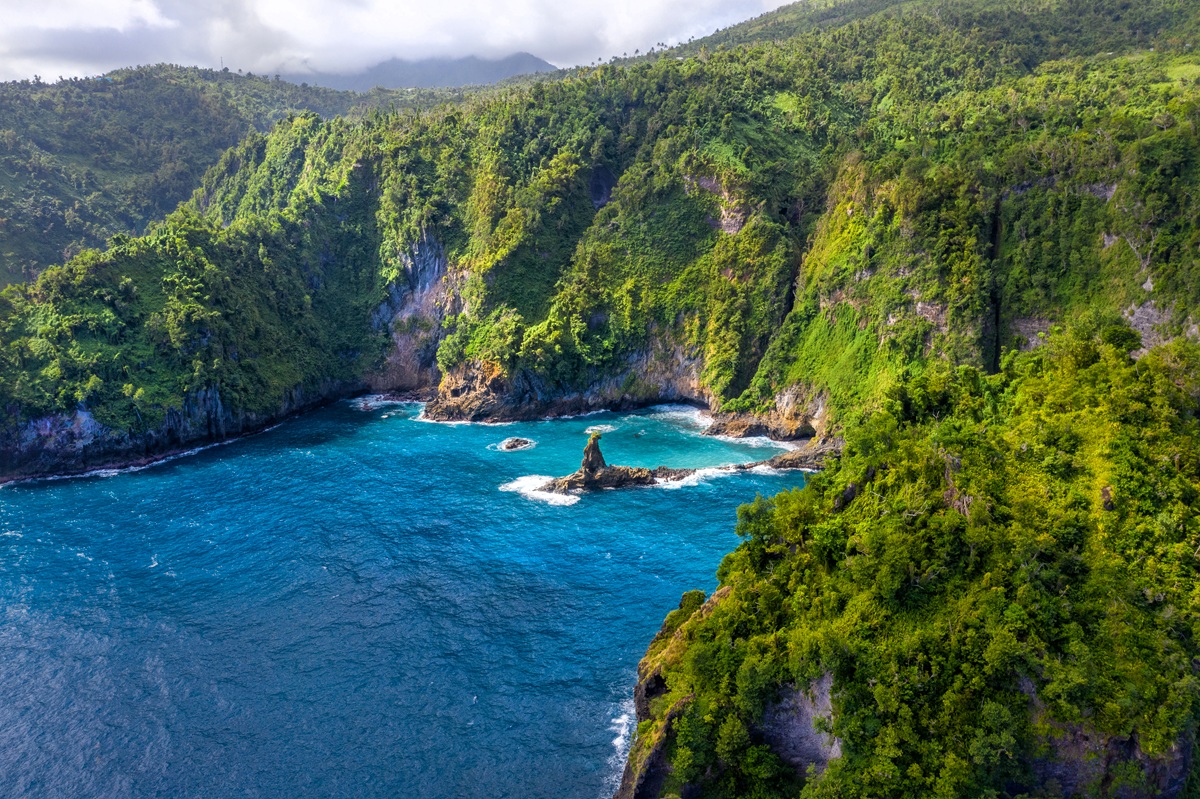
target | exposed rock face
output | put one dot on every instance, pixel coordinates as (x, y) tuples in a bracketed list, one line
[(478, 391), (601, 186), (1075, 761), (813, 456), (516, 444), (734, 211), (646, 768), (646, 771), (593, 459), (1026, 331), (789, 726), (796, 415), (1150, 322), (74, 444), (413, 312), (774, 426)]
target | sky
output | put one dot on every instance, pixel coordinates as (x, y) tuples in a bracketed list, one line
[(68, 38)]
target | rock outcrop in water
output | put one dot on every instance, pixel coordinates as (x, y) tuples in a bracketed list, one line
[(594, 472), (516, 444)]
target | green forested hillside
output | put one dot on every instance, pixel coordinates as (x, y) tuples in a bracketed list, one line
[(999, 575), (964, 241), (83, 159), (1038, 29)]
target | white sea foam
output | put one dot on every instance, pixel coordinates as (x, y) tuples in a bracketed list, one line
[(583, 415), (373, 402), (528, 487), (622, 727), (421, 417), (704, 475), (761, 442), (696, 478), (601, 428), (685, 415)]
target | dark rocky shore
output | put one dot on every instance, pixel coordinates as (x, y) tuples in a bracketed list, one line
[(71, 445)]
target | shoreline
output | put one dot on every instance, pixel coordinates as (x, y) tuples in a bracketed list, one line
[(422, 396), (138, 464)]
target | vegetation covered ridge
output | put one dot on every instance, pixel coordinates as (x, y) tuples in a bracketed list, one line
[(992, 593), (779, 231), (84, 159)]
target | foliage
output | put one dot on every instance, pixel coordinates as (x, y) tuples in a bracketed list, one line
[(993, 559), (86, 158), (822, 214), (882, 210)]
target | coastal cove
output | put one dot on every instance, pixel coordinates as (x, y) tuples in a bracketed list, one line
[(356, 603)]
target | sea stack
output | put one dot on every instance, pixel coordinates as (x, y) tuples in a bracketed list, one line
[(593, 458), (595, 473)]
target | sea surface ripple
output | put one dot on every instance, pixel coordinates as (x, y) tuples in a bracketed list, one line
[(349, 605)]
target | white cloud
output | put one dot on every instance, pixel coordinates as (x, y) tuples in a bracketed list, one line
[(76, 14), (81, 37)]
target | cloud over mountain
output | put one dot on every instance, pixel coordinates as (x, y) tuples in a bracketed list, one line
[(81, 37)]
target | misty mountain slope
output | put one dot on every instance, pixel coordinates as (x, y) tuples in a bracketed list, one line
[(430, 73)]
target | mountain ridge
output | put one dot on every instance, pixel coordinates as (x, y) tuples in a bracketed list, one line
[(428, 73)]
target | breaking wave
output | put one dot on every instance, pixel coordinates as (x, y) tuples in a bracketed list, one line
[(528, 487)]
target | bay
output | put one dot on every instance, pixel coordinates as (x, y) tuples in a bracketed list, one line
[(357, 603)]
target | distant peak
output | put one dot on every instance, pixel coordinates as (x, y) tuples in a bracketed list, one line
[(430, 73)]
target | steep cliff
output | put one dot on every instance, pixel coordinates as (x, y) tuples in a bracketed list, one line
[(76, 444)]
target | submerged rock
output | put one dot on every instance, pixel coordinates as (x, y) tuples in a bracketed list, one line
[(516, 444)]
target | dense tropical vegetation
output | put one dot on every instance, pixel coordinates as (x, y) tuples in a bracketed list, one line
[(962, 235), (83, 159), (997, 565)]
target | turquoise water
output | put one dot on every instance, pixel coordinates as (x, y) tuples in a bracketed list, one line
[(354, 604)]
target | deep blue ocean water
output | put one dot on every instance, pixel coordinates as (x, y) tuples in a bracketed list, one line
[(356, 603)]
